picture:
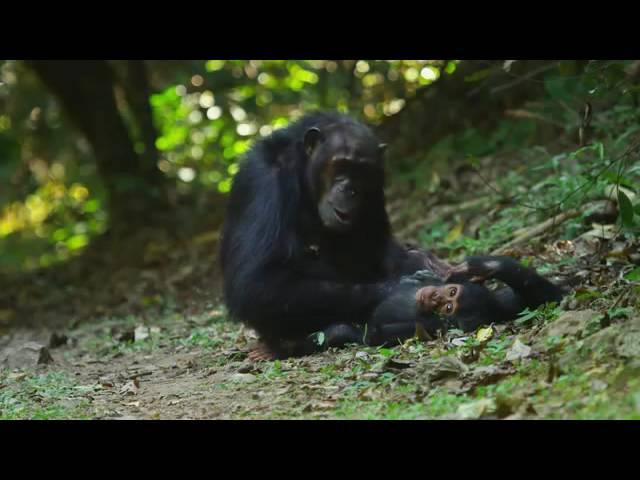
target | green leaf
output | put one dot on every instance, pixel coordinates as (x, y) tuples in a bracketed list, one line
[(620, 180), (386, 352), (626, 209), (525, 316), (633, 275)]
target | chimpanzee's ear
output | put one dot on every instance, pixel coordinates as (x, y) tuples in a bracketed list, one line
[(312, 138)]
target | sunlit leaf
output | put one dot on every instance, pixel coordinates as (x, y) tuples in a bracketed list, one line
[(484, 334), (455, 232)]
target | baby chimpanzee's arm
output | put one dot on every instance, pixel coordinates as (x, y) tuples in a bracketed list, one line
[(525, 287)]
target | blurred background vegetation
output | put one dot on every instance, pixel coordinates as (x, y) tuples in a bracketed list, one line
[(89, 148)]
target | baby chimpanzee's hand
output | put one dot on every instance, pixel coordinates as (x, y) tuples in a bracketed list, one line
[(477, 268)]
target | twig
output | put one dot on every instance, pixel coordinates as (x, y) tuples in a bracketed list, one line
[(521, 113), (443, 213), (523, 78), (538, 230)]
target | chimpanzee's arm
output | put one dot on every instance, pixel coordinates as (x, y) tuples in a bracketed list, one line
[(392, 322), (336, 335), (279, 302), (526, 288), (311, 295), (406, 260)]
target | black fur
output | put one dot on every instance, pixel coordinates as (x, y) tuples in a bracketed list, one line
[(284, 274), (397, 317)]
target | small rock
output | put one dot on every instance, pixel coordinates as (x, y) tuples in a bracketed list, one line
[(628, 345), (488, 374), (247, 367), (27, 355), (243, 378), (517, 351), (141, 333), (477, 409), (392, 364), (569, 324), (362, 356), (448, 367)]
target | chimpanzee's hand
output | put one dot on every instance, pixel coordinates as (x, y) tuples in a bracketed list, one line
[(477, 268)]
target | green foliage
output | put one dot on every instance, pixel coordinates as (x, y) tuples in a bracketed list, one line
[(208, 113), (206, 124), (633, 275), (543, 314), (42, 397)]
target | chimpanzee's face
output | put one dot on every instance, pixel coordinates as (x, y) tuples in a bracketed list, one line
[(443, 300), (345, 169), (462, 305)]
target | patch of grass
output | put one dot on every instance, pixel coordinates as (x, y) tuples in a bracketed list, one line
[(495, 350), (436, 404), (544, 314), (52, 395), (576, 395), (204, 337), (440, 402)]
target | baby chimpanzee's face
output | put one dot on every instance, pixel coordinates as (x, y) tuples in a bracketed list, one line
[(442, 300), (465, 306)]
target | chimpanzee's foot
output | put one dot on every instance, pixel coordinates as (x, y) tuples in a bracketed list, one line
[(261, 352)]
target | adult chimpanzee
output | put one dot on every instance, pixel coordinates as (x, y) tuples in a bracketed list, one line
[(307, 242), (431, 302)]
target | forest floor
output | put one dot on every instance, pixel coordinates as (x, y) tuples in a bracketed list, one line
[(110, 341)]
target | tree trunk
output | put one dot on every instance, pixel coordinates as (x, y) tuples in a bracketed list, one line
[(135, 81), (85, 90)]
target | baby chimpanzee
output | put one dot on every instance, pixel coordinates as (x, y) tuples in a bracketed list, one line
[(460, 300), (428, 302)]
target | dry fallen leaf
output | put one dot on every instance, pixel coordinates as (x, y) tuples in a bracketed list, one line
[(455, 233), (459, 341), (131, 387), (518, 350)]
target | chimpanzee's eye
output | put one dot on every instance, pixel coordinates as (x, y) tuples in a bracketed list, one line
[(449, 308), (453, 291)]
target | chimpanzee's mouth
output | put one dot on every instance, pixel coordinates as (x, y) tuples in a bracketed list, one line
[(342, 216)]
